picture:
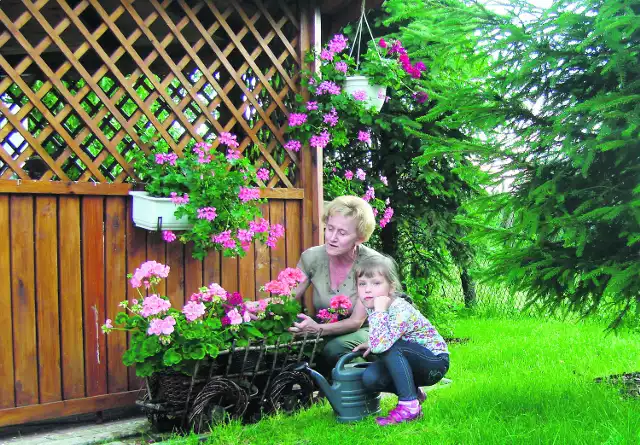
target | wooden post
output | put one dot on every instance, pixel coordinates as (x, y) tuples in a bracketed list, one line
[(311, 158)]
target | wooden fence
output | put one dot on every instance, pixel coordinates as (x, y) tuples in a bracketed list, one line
[(62, 273), (86, 84)]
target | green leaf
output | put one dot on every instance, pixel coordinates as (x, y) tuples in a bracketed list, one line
[(171, 357)]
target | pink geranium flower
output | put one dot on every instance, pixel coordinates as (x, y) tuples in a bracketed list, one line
[(348, 175), (159, 326), (293, 145), (228, 139), (193, 310), (263, 174), (168, 236), (296, 119), (248, 194), (291, 276), (277, 287), (154, 305)]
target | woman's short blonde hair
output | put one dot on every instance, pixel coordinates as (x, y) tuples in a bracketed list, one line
[(353, 207)]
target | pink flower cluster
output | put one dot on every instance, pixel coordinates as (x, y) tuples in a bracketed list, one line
[(154, 305), (193, 310), (168, 236), (202, 149), (370, 194), (327, 86), (388, 213), (383, 179), (166, 158), (364, 136), (214, 292), (276, 231), (339, 306), (287, 280), (249, 194), (360, 174), (232, 155), (312, 105), (293, 145), (159, 326), (244, 236), (331, 118), (348, 175), (179, 199), (296, 119), (320, 140), (228, 139), (208, 213), (342, 67), (147, 272), (336, 45), (414, 71), (263, 174)]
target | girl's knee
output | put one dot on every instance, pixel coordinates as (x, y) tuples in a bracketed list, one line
[(370, 378)]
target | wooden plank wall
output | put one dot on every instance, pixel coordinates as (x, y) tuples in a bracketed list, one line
[(63, 265)]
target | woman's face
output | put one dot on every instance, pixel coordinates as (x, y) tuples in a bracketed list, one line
[(370, 288), (340, 235)]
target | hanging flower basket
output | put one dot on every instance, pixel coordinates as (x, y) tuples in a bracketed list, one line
[(375, 94), (156, 213)]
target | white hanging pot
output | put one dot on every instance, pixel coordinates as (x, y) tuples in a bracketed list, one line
[(156, 213), (376, 94)]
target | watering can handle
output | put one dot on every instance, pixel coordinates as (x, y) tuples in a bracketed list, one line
[(347, 358)]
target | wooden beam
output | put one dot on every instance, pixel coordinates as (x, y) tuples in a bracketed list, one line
[(104, 188), (32, 413)]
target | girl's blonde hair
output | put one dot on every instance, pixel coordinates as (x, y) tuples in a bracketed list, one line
[(383, 265), (353, 207)]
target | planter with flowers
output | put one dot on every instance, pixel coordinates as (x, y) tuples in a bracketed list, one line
[(165, 338), (180, 352), (340, 116), (213, 197)]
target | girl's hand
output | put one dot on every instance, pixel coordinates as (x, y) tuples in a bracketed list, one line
[(382, 303), (362, 346)]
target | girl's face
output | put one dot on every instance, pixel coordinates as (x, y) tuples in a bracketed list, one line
[(340, 235), (370, 288)]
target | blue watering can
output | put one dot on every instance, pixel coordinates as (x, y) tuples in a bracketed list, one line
[(347, 396)]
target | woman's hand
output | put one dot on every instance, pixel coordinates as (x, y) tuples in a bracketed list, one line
[(362, 346), (382, 303), (306, 325)]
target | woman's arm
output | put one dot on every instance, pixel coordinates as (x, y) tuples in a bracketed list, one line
[(351, 324), (301, 289)]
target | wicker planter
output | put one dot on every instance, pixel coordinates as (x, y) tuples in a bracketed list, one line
[(156, 213), (375, 93)]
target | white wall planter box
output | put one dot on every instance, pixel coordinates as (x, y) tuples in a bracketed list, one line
[(156, 213), (375, 93)]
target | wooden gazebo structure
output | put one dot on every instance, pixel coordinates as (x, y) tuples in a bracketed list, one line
[(83, 85)]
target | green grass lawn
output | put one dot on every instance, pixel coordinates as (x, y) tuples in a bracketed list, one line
[(516, 381)]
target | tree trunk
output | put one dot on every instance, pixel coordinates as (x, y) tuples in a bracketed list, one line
[(468, 288)]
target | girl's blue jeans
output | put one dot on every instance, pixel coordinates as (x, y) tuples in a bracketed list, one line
[(404, 367)]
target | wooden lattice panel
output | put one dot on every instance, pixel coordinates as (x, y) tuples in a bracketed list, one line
[(84, 84)]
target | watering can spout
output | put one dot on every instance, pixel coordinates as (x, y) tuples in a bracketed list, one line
[(324, 385)]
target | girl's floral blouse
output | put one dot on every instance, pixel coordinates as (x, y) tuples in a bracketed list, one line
[(402, 321)]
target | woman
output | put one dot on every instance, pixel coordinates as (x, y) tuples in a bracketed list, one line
[(349, 222)]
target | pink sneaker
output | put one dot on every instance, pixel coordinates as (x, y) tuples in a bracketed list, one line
[(398, 415)]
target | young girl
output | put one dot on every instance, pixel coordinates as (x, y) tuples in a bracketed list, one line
[(410, 351)]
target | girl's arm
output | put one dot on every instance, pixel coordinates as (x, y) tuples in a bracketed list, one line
[(386, 328)]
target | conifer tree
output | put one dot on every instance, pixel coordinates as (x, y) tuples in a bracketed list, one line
[(563, 99)]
